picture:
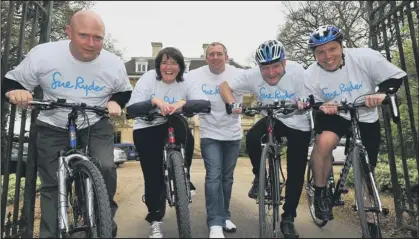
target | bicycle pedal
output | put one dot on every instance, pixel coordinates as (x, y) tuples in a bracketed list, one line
[(385, 211), (339, 203)]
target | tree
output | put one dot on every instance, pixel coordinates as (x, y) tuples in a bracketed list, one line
[(304, 17), (413, 79)]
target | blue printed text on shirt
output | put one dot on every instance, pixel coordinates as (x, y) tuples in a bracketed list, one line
[(277, 94), (79, 85)]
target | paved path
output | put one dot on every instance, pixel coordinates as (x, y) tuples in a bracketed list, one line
[(132, 211)]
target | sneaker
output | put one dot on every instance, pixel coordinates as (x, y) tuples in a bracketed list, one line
[(216, 232), (323, 206), (288, 228), (253, 192), (156, 231), (229, 227), (192, 188)]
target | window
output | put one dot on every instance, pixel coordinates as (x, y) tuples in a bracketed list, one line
[(141, 66), (187, 64), (117, 137)]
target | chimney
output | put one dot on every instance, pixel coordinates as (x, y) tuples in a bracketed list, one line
[(204, 47), (155, 48)]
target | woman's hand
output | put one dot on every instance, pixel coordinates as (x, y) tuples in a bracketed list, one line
[(165, 108), (177, 106)]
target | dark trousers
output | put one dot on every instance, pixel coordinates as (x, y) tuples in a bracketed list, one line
[(50, 140), (149, 143), (297, 151)]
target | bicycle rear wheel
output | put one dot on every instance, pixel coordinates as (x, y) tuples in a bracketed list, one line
[(181, 194), (364, 194), (310, 198), (93, 217), (269, 193)]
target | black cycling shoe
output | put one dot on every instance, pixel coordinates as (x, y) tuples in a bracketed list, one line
[(254, 190), (288, 228), (323, 206)]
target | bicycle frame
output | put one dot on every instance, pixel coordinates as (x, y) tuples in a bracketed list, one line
[(64, 172), (355, 141), (270, 122), (169, 147), (65, 158)]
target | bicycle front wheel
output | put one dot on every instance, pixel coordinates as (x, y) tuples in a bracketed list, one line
[(181, 194), (366, 201), (269, 193), (89, 200)]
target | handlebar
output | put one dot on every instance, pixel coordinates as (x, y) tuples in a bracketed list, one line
[(191, 108), (282, 107), (61, 103), (390, 99)]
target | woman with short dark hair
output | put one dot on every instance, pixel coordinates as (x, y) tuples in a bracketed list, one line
[(166, 89)]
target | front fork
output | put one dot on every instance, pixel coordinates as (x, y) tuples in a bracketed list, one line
[(167, 178), (62, 174)]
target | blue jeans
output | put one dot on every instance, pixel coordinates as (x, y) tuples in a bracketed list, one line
[(220, 158)]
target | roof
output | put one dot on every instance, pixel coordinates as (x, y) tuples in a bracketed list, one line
[(194, 63)]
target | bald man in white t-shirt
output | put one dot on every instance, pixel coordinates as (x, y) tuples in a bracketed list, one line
[(80, 71)]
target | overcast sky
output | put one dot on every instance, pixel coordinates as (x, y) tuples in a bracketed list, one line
[(241, 26)]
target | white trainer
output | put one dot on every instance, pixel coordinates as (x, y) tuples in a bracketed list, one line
[(156, 231), (230, 227), (216, 232)]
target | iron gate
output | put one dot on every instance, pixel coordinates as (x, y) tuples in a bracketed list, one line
[(398, 20), (35, 25)]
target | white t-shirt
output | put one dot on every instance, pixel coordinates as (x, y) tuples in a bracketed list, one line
[(148, 87), (364, 69), (289, 88), (218, 124), (53, 67)]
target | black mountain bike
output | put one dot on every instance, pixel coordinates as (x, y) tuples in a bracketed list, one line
[(366, 193), (80, 183), (175, 173), (269, 195)]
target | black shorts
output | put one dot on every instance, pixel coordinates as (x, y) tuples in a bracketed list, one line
[(370, 132)]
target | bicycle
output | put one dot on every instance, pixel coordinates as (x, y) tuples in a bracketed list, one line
[(356, 156), (270, 169), (89, 198), (175, 173)]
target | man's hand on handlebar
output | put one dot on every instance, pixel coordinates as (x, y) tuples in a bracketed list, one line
[(20, 98), (303, 103), (330, 108), (234, 108), (374, 100), (114, 108)]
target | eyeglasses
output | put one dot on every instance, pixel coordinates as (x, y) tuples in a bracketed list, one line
[(167, 63)]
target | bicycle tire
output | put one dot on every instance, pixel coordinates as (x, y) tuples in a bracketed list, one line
[(265, 230), (181, 194), (102, 208), (360, 177), (310, 199)]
